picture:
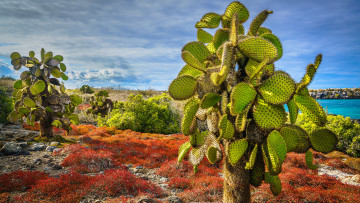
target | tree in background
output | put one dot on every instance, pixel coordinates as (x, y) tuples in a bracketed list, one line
[(235, 98)]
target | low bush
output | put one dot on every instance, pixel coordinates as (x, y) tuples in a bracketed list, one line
[(153, 115), (344, 128), (354, 148), (20, 180), (6, 105)]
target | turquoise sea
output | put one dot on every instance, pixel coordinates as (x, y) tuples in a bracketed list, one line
[(346, 107)]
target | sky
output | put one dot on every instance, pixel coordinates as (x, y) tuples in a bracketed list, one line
[(136, 44)]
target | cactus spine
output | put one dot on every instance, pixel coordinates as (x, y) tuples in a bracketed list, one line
[(40, 96), (233, 77)]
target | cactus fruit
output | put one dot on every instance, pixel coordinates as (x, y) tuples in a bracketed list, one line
[(41, 97), (230, 81)]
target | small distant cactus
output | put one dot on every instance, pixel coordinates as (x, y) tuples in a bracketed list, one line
[(100, 104), (86, 89), (39, 94), (236, 98)]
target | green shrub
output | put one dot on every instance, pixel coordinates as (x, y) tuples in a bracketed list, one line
[(6, 105), (354, 148), (86, 89), (153, 115), (344, 128)]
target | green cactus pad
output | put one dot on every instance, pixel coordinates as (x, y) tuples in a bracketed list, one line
[(74, 119), (56, 123), (211, 47), (192, 61), (236, 150), (13, 116), (24, 75), (291, 138), (55, 72), (277, 142), (38, 87), (18, 84), (29, 102), (278, 89), (263, 30), (309, 160), (182, 87), (240, 9), (311, 109), (226, 128), (241, 95), (257, 174), (62, 67), (251, 162), (24, 110), (304, 141), (38, 72), (303, 91), (197, 139), (209, 20), (257, 22), (276, 42), (203, 36), (15, 55), (271, 159), (269, 116), (198, 50), (258, 49), (64, 77), (196, 155), (293, 111), (183, 150), (58, 58), (188, 70), (224, 102), (209, 100), (275, 183), (323, 140), (211, 154), (189, 115), (221, 36), (31, 54)]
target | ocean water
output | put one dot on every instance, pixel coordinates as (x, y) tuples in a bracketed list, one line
[(346, 107)]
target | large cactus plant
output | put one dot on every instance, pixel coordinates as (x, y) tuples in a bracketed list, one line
[(100, 104), (235, 99), (40, 95)]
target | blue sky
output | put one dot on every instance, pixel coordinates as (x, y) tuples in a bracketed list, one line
[(137, 44)]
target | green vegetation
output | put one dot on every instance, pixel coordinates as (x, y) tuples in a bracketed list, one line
[(153, 115), (86, 89), (100, 104), (6, 105), (236, 98), (346, 131), (40, 97)]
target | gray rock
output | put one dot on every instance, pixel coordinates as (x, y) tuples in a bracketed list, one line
[(46, 168), (174, 199), (139, 167), (10, 148), (37, 161), (50, 148), (54, 144), (163, 179), (57, 167), (37, 147), (22, 144)]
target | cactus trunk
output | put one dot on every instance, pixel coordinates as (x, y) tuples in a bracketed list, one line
[(236, 181), (46, 128)]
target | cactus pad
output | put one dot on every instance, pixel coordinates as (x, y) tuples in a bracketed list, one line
[(271, 159), (258, 172), (240, 97), (197, 139), (192, 61), (276, 42), (309, 160), (236, 150), (220, 37), (18, 84), (203, 36), (269, 116), (293, 111), (258, 49), (211, 154), (311, 109), (278, 89), (213, 121), (183, 150), (190, 110), (201, 114), (38, 87), (257, 22), (323, 140), (55, 72), (275, 183), (196, 155), (198, 50), (291, 138), (29, 102), (304, 141), (251, 162), (226, 128), (277, 142), (263, 30), (236, 7), (209, 100), (209, 20), (183, 87)]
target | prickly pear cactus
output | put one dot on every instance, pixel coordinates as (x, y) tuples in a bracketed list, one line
[(100, 104), (236, 97), (39, 94)]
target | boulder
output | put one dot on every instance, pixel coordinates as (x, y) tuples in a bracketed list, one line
[(10, 148)]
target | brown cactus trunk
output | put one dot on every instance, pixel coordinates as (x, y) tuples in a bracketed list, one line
[(236, 181), (46, 128)]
